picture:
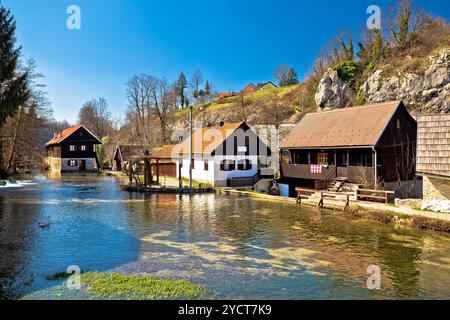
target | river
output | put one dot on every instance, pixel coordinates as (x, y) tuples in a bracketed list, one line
[(237, 247)]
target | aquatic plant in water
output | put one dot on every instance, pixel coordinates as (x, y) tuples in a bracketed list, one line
[(140, 287)]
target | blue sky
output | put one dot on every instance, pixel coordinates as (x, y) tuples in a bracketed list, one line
[(233, 42)]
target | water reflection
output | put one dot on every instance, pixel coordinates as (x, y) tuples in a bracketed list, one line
[(239, 247)]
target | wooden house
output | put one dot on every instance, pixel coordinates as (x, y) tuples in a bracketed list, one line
[(224, 155), (248, 89), (265, 86), (163, 162), (433, 155), (125, 154), (73, 150), (366, 145)]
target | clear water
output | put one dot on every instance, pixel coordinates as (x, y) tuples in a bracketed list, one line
[(236, 246)]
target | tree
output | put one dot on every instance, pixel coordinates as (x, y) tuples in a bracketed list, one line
[(13, 82), (280, 74), (243, 103), (151, 100), (196, 82), (24, 134), (291, 77), (285, 75), (208, 91), (181, 87), (96, 116), (401, 32)]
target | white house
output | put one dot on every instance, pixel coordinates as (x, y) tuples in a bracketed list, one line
[(224, 155)]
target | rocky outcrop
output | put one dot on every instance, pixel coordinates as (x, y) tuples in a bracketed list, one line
[(436, 206), (333, 92), (424, 93)]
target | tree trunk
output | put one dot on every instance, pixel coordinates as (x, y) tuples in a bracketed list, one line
[(14, 141)]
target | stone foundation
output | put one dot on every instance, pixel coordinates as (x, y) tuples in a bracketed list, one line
[(62, 165), (436, 189)]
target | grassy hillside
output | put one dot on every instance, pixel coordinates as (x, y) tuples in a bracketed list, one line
[(261, 107)]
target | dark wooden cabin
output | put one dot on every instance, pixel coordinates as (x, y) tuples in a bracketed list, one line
[(351, 145), (73, 150), (125, 154)]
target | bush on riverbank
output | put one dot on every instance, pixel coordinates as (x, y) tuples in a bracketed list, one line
[(410, 221)]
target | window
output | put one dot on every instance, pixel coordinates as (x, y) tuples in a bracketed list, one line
[(72, 148), (399, 123), (322, 158), (244, 165), (83, 148), (193, 164), (228, 165), (72, 163), (206, 165)]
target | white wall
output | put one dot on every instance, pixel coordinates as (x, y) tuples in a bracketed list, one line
[(91, 165), (214, 174)]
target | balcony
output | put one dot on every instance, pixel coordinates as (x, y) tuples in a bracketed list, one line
[(303, 171), (353, 174)]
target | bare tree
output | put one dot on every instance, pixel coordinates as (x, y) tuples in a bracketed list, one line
[(151, 100), (243, 103), (95, 115), (196, 82)]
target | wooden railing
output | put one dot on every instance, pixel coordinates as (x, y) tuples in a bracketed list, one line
[(303, 171), (373, 195)]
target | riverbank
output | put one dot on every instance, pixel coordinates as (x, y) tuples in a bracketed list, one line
[(384, 213)]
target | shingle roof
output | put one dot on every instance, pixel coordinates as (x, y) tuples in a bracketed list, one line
[(129, 152), (61, 136), (348, 127), (208, 139), (433, 145), (164, 152)]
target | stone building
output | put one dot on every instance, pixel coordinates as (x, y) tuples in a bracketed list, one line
[(433, 155)]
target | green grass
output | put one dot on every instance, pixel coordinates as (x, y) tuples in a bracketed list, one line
[(197, 185), (140, 287)]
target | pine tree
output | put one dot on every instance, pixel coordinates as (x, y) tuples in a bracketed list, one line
[(13, 83), (207, 90), (181, 86), (291, 77)]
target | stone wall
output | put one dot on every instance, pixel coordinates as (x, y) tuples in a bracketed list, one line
[(436, 189), (54, 164)]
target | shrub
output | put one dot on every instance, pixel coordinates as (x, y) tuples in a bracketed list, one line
[(346, 70)]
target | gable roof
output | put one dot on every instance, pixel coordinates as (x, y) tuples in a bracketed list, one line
[(348, 127), (433, 145), (249, 89), (164, 152), (62, 135), (205, 141), (130, 152), (263, 84)]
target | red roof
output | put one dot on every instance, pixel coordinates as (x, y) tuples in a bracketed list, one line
[(61, 136), (249, 89)]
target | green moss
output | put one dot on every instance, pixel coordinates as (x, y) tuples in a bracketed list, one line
[(346, 70), (140, 287)]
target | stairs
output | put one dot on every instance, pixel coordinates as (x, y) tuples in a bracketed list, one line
[(336, 185)]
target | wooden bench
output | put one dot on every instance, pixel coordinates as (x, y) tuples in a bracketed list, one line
[(303, 193), (374, 195), (336, 197)]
